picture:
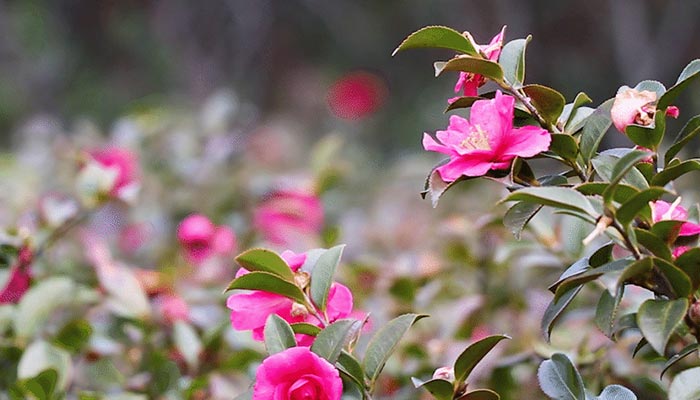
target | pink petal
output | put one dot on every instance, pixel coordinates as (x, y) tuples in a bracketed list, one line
[(466, 165), (431, 145), (673, 111), (527, 141), (339, 302), (250, 310), (689, 229), (494, 116), (295, 261)]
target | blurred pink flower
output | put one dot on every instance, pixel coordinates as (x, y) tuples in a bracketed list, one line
[(356, 95), (486, 141), (634, 107), (663, 211), (285, 215), (172, 308), (470, 82), (126, 165), (201, 239), (297, 374), (249, 310), (20, 278)]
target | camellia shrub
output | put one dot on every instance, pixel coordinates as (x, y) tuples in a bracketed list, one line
[(596, 244)]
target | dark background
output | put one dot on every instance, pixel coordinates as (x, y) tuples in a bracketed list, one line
[(102, 59)]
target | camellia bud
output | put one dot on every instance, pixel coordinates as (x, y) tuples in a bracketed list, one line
[(299, 310), (302, 279), (446, 373), (633, 107)]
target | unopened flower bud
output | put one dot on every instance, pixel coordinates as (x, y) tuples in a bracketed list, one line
[(299, 310), (302, 279), (446, 373), (633, 107)]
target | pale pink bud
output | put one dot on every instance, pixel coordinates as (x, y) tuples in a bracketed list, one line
[(673, 111), (195, 234), (446, 373), (125, 163), (224, 241)]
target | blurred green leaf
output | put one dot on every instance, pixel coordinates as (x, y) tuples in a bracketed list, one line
[(689, 131), (512, 60), (658, 319), (670, 173), (40, 356), (187, 343), (440, 388), (334, 337), (264, 260), (475, 65), (652, 86), (481, 394), (322, 275), (74, 335), (270, 283), (687, 350), (595, 127), (43, 386), (437, 37), (685, 385), (546, 100), (517, 217), (687, 76), (555, 308), (471, 356), (559, 379), (384, 342), (37, 305), (559, 197)]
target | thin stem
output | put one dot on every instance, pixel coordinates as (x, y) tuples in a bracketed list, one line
[(628, 242)]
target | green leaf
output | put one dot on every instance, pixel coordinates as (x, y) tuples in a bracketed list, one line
[(602, 256), (440, 388), (653, 243), (322, 275), (604, 165), (670, 173), (564, 146), (278, 335), (475, 65), (305, 328), (264, 260), (559, 197), (384, 342), (349, 365), (481, 394), (512, 60), (640, 201), (559, 379), (74, 335), (635, 271), (39, 303), (623, 193), (689, 73), (658, 319), (616, 392), (187, 343), (590, 275), (517, 217), (555, 308), (471, 356), (437, 37), (621, 168), (607, 310), (667, 230), (652, 86), (597, 124), (331, 340), (435, 187), (547, 101), (648, 136), (689, 131), (578, 267), (679, 281), (463, 102), (268, 282), (570, 109), (576, 121), (40, 356), (686, 385), (687, 350), (689, 262), (42, 386), (640, 345)]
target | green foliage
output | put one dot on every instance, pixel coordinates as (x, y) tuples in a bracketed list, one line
[(264, 260), (437, 37), (279, 336), (268, 282), (658, 319), (512, 60), (322, 275), (471, 64), (332, 339)]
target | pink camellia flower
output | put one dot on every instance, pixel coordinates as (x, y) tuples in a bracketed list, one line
[(356, 95), (634, 107), (470, 82), (663, 211), (249, 310), (125, 163), (286, 215), (297, 374), (20, 278), (201, 239), (679, 250), (486, 141)]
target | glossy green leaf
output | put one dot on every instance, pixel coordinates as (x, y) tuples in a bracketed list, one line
[(595, 127), (575, 122), (279, 336), (602, 256), (687, 350), (560, 380), (616, 392), (547, 101), (305, 328), (471, 356), (517, 217), (623, 193), (689, 262), (679, 281), (349, 365), (606, 311), (667, 230), (640, 201), (439, 388), (555, 308), (471, 64), (689, 132), (658, 319), (334, 337), (559, 197), (648, 136), (636, 271), (604, 165), (670, 173), (571, 109), (463, 102), (268, 282), (512, 60), (685, 385), (322, 275), (264, 260), (384, 342), (653, 243), (437, 37), (590, 275), (578, 267), (621, 168), (564, 146), (480, 394), (688, 75)]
